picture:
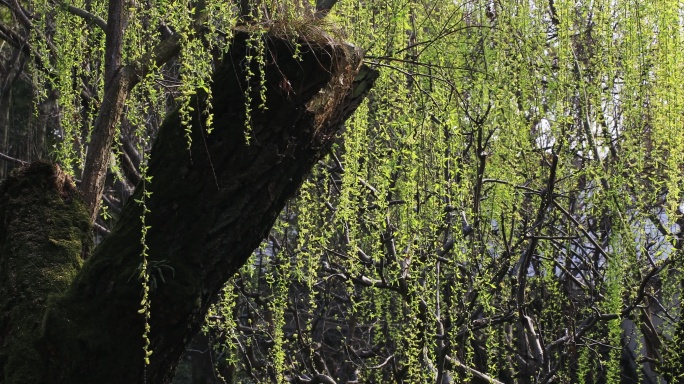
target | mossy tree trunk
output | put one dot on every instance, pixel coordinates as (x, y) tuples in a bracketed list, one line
[(210, 206)]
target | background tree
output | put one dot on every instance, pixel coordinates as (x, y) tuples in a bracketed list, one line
[(506, 207)]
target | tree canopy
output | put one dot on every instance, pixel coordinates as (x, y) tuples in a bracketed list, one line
[(505, 206)]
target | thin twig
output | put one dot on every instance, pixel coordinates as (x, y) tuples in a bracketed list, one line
[(472, 371), (581, 229), (12, 159)]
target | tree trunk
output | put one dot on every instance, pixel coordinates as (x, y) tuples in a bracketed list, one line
[(210, 206), (5, 98)]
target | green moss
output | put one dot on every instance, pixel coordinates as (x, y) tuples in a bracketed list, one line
[(44, 234)]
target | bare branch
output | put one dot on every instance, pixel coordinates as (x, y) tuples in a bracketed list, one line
[(457, 363), (86, 15), (12, 159), (581, 229), (641, 292), (532, 334), (101, 229), (547, 199), (316, 379), (13, 38), (21, 14)]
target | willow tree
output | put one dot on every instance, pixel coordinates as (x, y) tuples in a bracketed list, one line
[(506, 207), (258, 92)]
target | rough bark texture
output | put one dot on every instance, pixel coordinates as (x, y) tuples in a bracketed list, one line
[(210, 207), (44, 230)]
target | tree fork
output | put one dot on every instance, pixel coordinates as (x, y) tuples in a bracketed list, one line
[(210, 206)]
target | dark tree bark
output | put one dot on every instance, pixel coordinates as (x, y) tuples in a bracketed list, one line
[(210, 206)]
